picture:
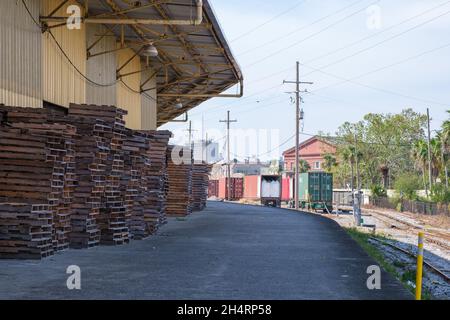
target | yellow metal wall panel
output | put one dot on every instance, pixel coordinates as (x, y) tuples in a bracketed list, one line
[(127, 98), (148, 100), (20, 54), (62, 84), (100, 69)]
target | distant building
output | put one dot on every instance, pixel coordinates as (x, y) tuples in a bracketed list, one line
[(311, 150), (239, 169), (248, 168)]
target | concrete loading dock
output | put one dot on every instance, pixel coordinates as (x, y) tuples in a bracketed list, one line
[(214, 255)]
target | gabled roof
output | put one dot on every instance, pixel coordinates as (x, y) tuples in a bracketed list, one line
[(326, 140)]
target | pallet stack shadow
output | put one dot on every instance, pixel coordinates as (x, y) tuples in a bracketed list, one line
[(200, 178), (179, 175), (37, 179)]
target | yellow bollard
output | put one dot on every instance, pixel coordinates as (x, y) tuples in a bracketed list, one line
[(419, 267)]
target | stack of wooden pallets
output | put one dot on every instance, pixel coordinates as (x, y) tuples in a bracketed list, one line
[(200, 178), (135, 148), (113, 214), (77, 178), (154, 180), (179, 176), (34, 160)]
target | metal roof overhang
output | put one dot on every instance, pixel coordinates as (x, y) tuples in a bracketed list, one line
[(194, 62)]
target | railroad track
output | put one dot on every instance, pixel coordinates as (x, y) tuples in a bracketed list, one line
[(445, 274), (434, 237)]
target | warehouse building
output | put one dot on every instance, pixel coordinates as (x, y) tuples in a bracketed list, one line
[(155, 59)]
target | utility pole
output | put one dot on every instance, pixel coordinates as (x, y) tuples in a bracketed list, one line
[(297, 130), (206, 148), (357, 205), (228, 121), (429, 149)]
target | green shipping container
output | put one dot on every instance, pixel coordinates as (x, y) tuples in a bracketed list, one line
[(316, 191)]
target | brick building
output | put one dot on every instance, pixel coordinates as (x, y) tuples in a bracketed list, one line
[(311, 150)]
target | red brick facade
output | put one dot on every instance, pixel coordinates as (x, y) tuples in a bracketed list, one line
[(311, 150)]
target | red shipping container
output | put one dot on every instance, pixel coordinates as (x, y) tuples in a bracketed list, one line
[(213, 188), (237, 188), (285, 189), (251, 187)]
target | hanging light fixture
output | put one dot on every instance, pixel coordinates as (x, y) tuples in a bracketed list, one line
[(150, 51)]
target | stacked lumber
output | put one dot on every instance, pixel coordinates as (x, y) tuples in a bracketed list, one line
[(135, 148), (25, 231), (200, 179), (179, 177), (155, 180), (113, 214), (33, 159), (60, 152), (78, 179)]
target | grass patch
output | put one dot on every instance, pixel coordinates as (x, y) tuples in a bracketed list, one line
[(406, 277)]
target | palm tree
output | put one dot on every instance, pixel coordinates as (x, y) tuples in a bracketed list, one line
[(348, 155), (303, 166), (420, 156), (445, 146), (329, 162)]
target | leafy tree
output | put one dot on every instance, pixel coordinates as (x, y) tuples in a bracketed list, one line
[(407, 185), (383, 143)]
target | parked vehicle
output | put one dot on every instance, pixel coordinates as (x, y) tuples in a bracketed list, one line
[(270, 190), (316, 191)]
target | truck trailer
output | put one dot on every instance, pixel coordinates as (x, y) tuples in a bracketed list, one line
[(270, 190)]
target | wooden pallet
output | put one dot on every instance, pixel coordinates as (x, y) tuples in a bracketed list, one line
[(179, 176), (200, 179)]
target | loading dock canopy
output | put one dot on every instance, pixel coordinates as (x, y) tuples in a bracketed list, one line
[(194, 62)]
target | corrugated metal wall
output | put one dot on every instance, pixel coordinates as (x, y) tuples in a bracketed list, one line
[(149, 106), (62, 84), (20, 54), (33, 68), (126, 97), (100, 69)]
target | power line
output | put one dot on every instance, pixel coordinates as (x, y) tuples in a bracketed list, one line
[(381, 42), (269, 21), (381, 69), (270, 151), (377, 33), (300, 29), (310, 36)]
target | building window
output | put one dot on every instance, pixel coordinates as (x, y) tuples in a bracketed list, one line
[(317, 165)]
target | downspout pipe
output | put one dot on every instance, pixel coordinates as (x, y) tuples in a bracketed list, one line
[(128, 21)]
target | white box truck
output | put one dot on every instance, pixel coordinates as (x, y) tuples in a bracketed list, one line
[(270, 190)]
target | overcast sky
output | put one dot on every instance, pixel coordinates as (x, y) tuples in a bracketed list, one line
[(396, 54)]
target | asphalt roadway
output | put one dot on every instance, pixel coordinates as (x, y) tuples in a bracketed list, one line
[(227, 251)]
